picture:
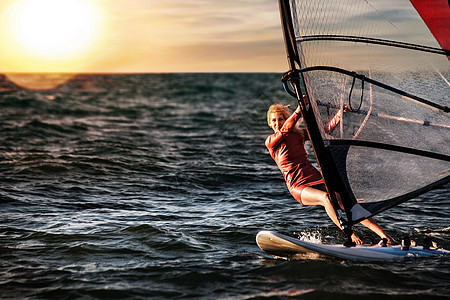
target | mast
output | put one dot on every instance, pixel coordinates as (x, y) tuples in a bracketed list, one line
[(325, 161)]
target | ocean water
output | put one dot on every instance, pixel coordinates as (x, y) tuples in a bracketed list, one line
[(154, 186)]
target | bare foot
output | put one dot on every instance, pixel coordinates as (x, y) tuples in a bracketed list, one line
[(356, 239)]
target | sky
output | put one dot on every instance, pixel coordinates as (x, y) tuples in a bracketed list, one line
[(162, 36), (150, 36)]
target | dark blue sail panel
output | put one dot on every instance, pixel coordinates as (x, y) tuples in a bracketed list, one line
[(381, 177), (394, 144)]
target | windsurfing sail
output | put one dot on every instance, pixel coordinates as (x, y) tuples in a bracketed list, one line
[(387, 60)]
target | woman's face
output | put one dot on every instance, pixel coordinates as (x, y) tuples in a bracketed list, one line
[(276, 121)]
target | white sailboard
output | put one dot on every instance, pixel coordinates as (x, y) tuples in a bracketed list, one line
[(285, 246)]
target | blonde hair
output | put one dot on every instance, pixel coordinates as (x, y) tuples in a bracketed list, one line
[(277, 108), (284, 111)]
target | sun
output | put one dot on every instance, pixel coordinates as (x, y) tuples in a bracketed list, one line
[(55, 27), (51, 35)]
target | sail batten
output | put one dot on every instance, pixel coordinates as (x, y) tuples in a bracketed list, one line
[(395, 143), (361, 39)]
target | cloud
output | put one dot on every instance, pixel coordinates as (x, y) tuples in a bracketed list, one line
[(208, 35), (179, 35)]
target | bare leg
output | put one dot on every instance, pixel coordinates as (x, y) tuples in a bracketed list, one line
[(314, 197), (372, 225)]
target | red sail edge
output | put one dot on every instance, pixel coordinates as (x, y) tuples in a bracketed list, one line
[(436, 15)]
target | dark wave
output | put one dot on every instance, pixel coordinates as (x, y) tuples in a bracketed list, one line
[(155, 185)]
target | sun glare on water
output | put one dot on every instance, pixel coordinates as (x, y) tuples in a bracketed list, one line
[(50, 35)]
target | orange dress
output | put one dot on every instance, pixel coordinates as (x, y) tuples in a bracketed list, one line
[(287, 148)]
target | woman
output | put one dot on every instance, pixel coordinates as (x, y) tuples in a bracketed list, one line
[(287, 148)]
